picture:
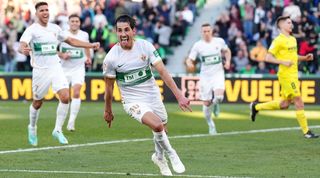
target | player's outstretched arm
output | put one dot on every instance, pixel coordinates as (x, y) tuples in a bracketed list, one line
[(108, 115), (81, 44), (184, 103), (308, 57), (271, 59)]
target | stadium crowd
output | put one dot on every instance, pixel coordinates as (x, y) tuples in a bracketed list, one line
[(248, 27), (164, 23)]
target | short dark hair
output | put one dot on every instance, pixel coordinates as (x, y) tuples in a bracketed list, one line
[(206, 25), (41, 3), (128, 19), (74, 15), (280, 19)]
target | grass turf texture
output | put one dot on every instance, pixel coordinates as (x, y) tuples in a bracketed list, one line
[(270, 154)]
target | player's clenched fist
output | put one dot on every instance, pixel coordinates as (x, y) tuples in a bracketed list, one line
[(95, 45)]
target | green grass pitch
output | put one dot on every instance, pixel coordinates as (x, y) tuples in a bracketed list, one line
[(234, 152)]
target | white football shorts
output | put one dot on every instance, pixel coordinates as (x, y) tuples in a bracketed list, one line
[(43, 78), (208, 85), (138, 109), (75, 76)]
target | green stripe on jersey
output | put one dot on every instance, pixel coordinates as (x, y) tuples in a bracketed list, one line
[(211, 59), (45, 48), (75, 53), (134, 77)]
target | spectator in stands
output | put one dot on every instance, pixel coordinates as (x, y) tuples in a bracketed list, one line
[(223, 23), (100, 34), (259, 52), (259, 15), (232, 31), (164, 32), (164, 11), (248, 69), (248, 20), (98, 59), (262, 68), (87, 25), (308, 45), (87, 11), (120, 9), (187, 16), (235, 16), (292, 10), (148, 31), (240, 61), (99, 19), (5, 52)]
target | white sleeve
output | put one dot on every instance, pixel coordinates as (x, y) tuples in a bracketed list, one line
[(153, 54), (86, 36), (26, 36), (194, 52), (62, 35), (108, 69), (223, 44)]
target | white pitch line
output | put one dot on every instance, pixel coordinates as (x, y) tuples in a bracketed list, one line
[(109, 173), (148, 139)]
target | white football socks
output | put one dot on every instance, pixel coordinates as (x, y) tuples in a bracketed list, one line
[(74, 109), (158, 148), (163, 141), (207, 111), (33, 116), (62, 112)]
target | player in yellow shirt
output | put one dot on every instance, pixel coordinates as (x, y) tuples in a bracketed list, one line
[(283, 51)]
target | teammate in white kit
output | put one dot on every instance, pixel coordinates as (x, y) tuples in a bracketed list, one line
[(209, 49), (129, 63), (73, 65), (43, 38)]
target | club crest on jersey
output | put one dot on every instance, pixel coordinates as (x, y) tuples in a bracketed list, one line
[(143, 57)]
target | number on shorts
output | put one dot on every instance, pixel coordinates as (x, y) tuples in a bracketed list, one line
[(293, 85)]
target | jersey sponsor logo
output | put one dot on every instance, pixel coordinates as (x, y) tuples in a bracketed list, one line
[(135, 76), (211, 59)]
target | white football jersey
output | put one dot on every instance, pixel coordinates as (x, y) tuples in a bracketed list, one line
[(132, 71), (44, 42), (210, 56), (77, 55)]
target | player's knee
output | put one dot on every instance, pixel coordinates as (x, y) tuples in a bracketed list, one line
[(37, 104), (158, 127), (284, 105), (64, 97), (219, 98), (76, 95), (207, 103)]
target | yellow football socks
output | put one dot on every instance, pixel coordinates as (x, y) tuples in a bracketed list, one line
[(271, 105), (302, 120)]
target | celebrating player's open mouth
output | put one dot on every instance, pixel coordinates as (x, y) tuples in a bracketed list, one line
[(124, 40)]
